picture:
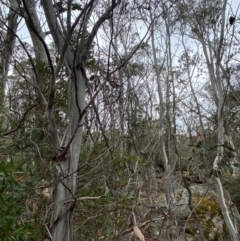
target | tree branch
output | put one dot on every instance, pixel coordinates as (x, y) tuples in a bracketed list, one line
[(97, 25)]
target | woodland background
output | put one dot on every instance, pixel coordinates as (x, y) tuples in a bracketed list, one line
[(119, 120)]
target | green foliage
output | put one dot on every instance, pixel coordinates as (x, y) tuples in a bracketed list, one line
[(236, 165), (223, 145), (44, 70), (76, 6), (15, 222), (21, 170), (232, 186), (99, 218), (79, 40), (109, 176), (61, 6), (215, 173)]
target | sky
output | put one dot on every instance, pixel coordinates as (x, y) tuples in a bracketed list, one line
[(232, 9)]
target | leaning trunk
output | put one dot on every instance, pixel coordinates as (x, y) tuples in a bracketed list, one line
[(218, 159)]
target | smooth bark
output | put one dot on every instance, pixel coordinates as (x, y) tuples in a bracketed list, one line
[(8, 40), (67, 150)]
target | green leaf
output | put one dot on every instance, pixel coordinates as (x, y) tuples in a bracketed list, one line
[(236, 165), (59, 7), (214, 147), (215, 173), (2, 189), (17, 231), (37, 135), (211, 173), (230, 169), (76, 6), (22, 131), (228, 147)]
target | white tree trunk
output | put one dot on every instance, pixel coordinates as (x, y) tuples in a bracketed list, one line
[(67, 158), (220, 107), (169, 183), (67, 166), (7, 42)]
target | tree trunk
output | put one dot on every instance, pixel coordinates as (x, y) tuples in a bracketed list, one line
[(169, 184), (67, 158), (8, 41), (67, 166), (220, 107)]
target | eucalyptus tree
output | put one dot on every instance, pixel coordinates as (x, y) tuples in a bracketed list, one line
[(208, 25), (190, 65), (164, 70), (63, 19), (160, 55), (8, 27)]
